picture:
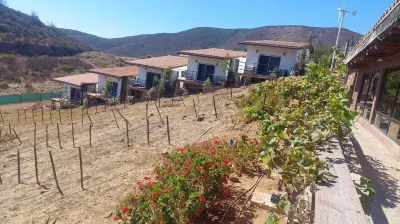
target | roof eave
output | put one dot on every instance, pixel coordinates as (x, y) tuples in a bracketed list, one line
[(154, 67), (206, 56), (115, 76), (380, 29), (270, 45)]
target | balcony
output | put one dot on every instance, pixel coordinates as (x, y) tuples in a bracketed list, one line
[(194, 76), (266, 70), (138, 84)]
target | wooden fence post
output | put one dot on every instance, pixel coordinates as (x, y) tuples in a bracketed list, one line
[(198, 99), (25, 116), (127, 133), (47, 136), (19, 167), (73, 138), (58, 134), (215, 108), (159, 101), (51, 117), (18, 115), (147, 109), (16, 135), (55, 174), (172, 100), (159, 114), (59, 115), (9, 128), (125, 102), (182, 101), (42, 115), (82, 115), (116, 122), (105, 107), (36, 165), (96, 109), (70, 110), (34, 135), (194, 106), (33, 116), (81, 166), (148, 132), (1, 114), (90, 120), (169, 138), (90, 136), (231, 90)]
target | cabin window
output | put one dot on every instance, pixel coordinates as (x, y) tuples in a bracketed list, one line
[(75, 94)]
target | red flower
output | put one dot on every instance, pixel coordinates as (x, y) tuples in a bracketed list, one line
[(219, 187), (155, 170), (202, 198), (170, 189), (226, 162), (209, 165), (146, 178), (216, 140), (244, 172), (150, 183), (226, 193), (199, 168), (197, 214), (181, 149), (224, 180), (207, 147), (134, 187), (125, 210), (155, 194), (116, 218), (188, 163), (212, 153), (139, 183), (186, 170)]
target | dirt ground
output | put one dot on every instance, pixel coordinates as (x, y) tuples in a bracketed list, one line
[(110, 168)]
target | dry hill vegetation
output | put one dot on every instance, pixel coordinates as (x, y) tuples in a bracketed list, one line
[(26, 74)]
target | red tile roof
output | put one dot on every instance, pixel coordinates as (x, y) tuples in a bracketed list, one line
[(274, 43), (119, 72), (162, 62), (214, 53), (79, 80)]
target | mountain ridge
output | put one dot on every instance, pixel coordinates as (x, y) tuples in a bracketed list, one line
[(205, 37)]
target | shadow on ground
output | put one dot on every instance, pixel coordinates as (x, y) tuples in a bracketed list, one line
[(385, 185)]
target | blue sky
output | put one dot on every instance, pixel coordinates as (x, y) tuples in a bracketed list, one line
[(119, 18)]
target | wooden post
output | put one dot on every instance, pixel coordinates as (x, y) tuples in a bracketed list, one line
[(16, 135), (215, 108), (172, 100), (159, 101), (33, 116), (147, 109), (90, 136), (105, 107), (51, 117), (81, 166), (182, 100), (9, 128), (127, 133), (58, 134), (265, 98), (87, 113), (231, 90), (198, 99), (19, 167), (70, 111), (96, 109), (54, 173), (123, 117), (125, 102), (59, 115), (116, 122), (148, 132), (47, 136), (159, 114), (36, 165), (82, 115), (72, 132), (25, 115), (18, 115), (169, 138), (194, 106), (1, 182), (34, 135), (42, 115), (1, 114)]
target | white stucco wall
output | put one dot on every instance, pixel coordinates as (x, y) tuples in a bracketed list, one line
[(102, 83), (194, 61), (67, 90), (142, 74), (289, 57)]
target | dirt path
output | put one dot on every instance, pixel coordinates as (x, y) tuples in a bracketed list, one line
[(110, 167)]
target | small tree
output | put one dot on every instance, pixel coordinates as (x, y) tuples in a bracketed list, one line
[(34, 15), (107, 87), (3, 2)]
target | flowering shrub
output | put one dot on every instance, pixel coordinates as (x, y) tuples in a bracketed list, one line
[(187, 180)]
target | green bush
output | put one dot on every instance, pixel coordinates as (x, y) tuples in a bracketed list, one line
[(187, 180), (67, 68)]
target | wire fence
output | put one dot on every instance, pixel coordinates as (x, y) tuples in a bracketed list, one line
[(28, 97)]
